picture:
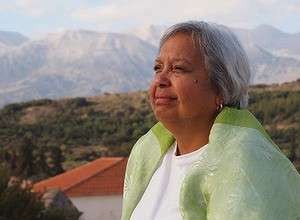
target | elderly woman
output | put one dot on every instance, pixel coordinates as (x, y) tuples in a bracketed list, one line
[(208, 157)]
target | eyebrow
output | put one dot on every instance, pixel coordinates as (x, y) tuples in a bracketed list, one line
[(174, 60)]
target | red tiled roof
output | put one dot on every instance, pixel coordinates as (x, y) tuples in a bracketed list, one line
[(104, 176)]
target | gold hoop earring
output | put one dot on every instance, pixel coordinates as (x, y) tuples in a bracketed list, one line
[(220, 107)]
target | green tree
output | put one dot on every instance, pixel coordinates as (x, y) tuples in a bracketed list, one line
[(56, 159), (19, 202), (16, 202), (25, 166)]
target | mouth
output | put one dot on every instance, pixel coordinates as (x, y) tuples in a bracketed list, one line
[(164, 100)]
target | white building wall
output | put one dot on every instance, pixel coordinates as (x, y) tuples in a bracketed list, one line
[(99, 207)]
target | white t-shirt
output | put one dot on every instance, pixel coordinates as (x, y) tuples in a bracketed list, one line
[(161, 198)]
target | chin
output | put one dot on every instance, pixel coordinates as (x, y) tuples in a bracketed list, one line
[(165, 116)]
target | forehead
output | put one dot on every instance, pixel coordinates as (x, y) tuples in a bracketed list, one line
[(180, 46)]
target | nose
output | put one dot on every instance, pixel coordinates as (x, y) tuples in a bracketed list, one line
[(162, 80)]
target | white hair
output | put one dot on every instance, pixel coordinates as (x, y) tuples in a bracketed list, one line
[(225, 59)]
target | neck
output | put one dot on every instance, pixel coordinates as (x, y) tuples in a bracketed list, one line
[(191, 135)]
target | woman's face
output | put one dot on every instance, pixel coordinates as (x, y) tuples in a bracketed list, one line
[(181, 90)]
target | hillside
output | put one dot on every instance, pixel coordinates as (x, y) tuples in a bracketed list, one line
[(75, 63), (44, 137), (84, 63)]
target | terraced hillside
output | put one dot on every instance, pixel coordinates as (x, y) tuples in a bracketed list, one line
[(42, 138)]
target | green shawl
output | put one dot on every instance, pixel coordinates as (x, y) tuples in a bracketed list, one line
[(242, 175)]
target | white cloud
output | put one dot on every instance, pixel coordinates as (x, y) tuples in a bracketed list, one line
[(35, 8), (121, 14), (6, 6), (32, 7), (293, 7), (153, 11), (230, 12), (101, 14)]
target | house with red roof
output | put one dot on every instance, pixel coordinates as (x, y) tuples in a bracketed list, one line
[(95, 188)]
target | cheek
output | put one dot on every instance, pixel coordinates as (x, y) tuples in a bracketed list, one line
[(151, 92), (193, 97), (187, 92)]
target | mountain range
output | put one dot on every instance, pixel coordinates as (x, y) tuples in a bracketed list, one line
[(86, 63)]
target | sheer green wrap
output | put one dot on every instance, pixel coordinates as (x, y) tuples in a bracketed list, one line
[(241, 176)]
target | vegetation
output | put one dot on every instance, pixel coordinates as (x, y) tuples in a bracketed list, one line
[(17, 201), (42, 138), (279, 112)]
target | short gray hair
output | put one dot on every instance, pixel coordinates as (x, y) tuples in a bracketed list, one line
[(224, 57)]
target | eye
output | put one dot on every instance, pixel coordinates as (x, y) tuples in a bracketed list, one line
[(178, 68), (157, 68)]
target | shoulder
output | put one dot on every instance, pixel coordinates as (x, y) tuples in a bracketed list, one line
[(142, 163), (154, 144), (245, 151), (252, 177)]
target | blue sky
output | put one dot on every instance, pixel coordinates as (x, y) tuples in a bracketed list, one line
[(37, 17)]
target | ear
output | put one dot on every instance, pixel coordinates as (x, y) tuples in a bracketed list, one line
[(219, 104), (219, 100)]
